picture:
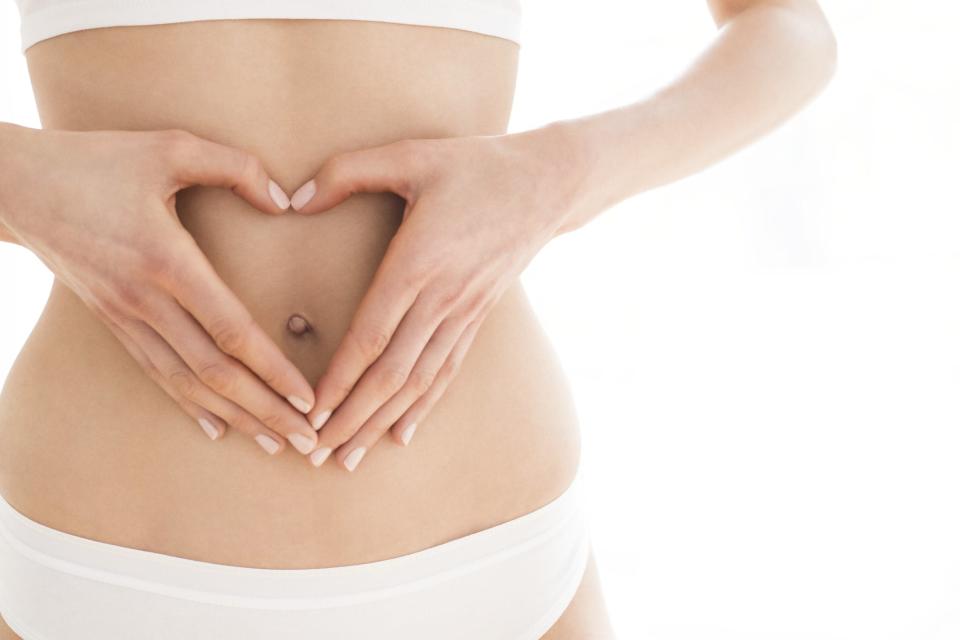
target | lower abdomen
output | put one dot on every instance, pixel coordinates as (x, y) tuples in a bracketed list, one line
[(91, 445)]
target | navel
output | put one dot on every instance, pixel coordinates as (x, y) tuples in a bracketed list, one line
[(298, 325)]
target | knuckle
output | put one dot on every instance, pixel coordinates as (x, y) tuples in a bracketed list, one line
[(174, 143), (184, 383), (372, 341), (228, 335), (421, 380), (445, 298), (243, 422), (334, 168), (157, 377), (274, 421), (415, 275), (172, 267), (218, 376), (156, 264), (390, 378), (478, 305), (472, 307), (250, 166), (129, 295), (105, 305)]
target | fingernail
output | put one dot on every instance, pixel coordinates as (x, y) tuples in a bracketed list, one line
[(408, 433), (208, 427), (301, 442), (299, 404), (277, 195), (318, 456), (303, 195), (353, 458), (319, 419), (267, 443)]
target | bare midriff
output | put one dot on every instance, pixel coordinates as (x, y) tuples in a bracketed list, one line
[(90, 445)]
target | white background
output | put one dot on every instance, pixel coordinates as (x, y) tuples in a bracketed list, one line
[(765, 354)]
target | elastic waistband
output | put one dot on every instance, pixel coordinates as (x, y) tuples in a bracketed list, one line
[(251, 587)]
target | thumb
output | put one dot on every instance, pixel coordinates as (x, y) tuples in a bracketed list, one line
[(197, 161), (377, 169)]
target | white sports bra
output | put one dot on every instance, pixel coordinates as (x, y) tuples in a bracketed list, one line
[(41, 19)]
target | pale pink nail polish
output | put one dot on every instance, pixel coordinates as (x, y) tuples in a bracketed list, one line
[(318, 456), (270, 445), (408, 433), (353, 458), (299, 403), (320, 419), (277, 195), (208, 428), (303, 195), (302, 443)]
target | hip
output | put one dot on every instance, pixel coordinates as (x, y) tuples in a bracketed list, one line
[(512, 580)]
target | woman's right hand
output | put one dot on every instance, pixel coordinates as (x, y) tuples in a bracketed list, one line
[(98, 208)]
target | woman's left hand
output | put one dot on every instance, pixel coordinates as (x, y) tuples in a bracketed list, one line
[(478, 208)]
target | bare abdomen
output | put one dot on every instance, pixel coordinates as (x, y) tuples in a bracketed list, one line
[(88, 444)]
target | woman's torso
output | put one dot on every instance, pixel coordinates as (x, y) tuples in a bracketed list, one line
[(90, 445)]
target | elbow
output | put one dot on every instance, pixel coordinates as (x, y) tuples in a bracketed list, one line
[(814, 54), (800, 26), (830, 51), (811, 26), (814, 47), (823, 43)]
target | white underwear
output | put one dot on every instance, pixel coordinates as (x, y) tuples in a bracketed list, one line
[(510, 582)]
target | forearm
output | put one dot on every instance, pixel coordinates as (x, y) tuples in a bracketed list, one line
[(11, 138), (765, 63)]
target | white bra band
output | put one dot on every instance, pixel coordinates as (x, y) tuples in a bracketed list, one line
[(42, 19)]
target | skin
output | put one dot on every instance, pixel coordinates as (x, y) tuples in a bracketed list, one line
[(494, 441), (425, 304), (125, 253), (443, 270)]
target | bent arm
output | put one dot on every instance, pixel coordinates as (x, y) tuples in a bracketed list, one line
[(768, 60)]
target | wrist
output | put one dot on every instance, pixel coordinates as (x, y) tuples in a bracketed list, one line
[(13, 139), (564, 166)]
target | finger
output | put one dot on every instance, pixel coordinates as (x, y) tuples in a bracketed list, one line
[(177, 375), (405, 427), (212, 425), (198, 288), (198, 161), (387, 167), (422, 378), (386, 377), (393, 290), (225, 375)]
